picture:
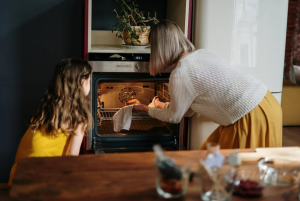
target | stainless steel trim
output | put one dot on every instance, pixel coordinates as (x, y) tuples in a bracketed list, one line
[(120, 66), (123, 66)]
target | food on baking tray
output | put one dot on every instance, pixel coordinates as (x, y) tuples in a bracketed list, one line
[(133, 101), (248, 187)]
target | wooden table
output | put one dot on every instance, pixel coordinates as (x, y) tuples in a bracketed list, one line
[(107, 177)]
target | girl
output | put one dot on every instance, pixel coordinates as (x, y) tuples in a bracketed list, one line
[(248, 114), (62, 117)]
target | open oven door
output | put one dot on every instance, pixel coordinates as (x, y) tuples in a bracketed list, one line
[(107, 99)]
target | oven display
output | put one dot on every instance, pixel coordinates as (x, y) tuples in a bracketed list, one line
[(137, 58)]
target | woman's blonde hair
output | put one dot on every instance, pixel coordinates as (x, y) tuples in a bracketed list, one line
[(167, 44), (65, 105)]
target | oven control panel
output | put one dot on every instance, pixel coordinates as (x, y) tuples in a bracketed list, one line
[(120, 62), (116, 66)]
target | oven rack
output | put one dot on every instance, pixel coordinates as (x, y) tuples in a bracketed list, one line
[(106, 114)]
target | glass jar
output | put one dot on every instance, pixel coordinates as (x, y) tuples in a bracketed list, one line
[(279, 172), (211, 176), (217, 186), (172, 176)]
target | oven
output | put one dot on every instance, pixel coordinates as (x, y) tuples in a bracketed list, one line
[(117, 78)]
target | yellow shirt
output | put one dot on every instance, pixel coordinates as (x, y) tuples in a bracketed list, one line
[(39, 144)]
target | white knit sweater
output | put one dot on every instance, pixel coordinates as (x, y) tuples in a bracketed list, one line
[(204, 83)]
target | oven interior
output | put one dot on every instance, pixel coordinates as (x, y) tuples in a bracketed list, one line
[(111, 96)]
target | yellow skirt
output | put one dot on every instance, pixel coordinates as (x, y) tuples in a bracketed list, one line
[(262, 127)]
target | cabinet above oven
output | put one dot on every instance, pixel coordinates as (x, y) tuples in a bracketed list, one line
[(99, 38)]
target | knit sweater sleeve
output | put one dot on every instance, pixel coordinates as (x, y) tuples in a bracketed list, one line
[(189, 113), (180, 101)]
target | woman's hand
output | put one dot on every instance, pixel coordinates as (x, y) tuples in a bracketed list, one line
[(140, 108), (158, 103)]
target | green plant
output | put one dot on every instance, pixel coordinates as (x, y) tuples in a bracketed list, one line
[(129, 16)]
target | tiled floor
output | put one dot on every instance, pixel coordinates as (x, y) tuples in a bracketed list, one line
[(291, 136)]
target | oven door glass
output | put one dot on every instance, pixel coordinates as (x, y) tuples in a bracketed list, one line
[(111, 97)]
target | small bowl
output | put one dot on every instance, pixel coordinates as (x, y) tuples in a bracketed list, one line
[(248, 182), (279, 172)]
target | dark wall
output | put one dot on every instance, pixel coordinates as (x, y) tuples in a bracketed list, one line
[(34, 36)]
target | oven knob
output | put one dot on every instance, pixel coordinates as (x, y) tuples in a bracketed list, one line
[(137, 66)]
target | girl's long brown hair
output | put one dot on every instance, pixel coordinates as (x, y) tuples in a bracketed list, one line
[(65, 105)]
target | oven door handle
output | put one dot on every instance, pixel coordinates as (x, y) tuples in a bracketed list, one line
[(100, 149)]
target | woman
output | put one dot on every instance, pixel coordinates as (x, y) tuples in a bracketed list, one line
[(248, 114)]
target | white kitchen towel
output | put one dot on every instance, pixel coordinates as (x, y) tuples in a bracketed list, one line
[(122, 118), (152, 103), (166, 105)]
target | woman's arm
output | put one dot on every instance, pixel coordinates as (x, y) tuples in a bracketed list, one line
[(162, 105), (75, 141)]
